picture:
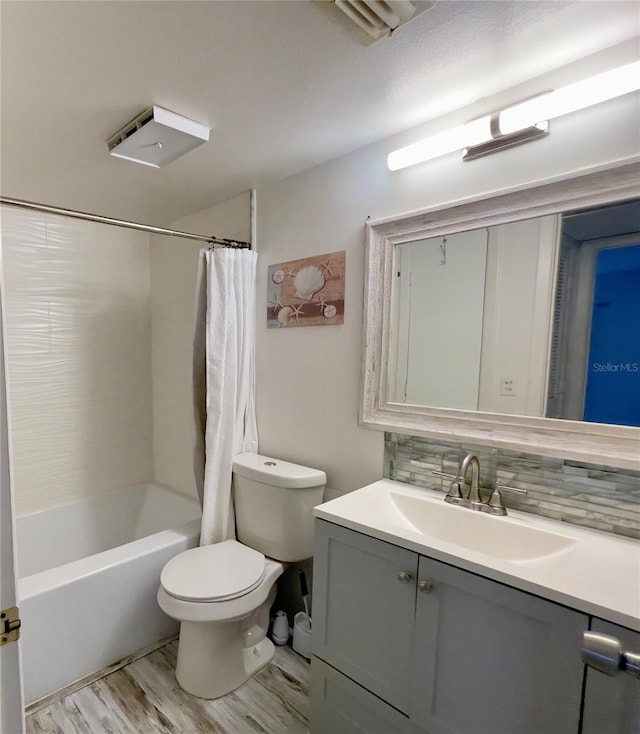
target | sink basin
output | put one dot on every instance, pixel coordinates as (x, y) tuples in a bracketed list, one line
[(499, 537), (594, 572)]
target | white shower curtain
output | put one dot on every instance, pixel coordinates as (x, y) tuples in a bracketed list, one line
[(224, 381)]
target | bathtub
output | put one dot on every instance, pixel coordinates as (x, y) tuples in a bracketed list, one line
[(88, 576)]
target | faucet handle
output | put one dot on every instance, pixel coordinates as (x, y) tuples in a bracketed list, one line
[(494, 505), (437, 473), (511, 489), (454, 495)]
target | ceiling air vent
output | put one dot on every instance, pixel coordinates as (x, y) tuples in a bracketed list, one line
[(378, 18), (156, 137)]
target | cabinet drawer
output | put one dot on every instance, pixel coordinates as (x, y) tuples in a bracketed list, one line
[(340, 706)]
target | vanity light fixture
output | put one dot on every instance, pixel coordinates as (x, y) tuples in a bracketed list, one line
[(586, 93), (473, 133), (519, 123)]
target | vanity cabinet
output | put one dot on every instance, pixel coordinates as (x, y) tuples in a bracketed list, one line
[(612, 704), (434, 649), (492, 659), (364, 603)]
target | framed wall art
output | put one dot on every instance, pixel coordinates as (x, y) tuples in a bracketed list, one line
[(306, 292)]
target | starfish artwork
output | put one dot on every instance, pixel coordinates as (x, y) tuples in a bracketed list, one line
[(327, 268), (296, 311), (277, 304), (316, 281)]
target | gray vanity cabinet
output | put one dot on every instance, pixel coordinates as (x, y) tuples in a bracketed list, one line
[(491, 659), (364, 597), (441, 652), (612, 704)]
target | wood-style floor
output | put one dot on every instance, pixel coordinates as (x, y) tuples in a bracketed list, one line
[(145, 698)]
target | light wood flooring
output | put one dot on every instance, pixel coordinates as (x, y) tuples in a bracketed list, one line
[(145, 698)]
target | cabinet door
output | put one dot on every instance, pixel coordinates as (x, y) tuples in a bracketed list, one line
[(363, 610), (493, 660), (612, 704)]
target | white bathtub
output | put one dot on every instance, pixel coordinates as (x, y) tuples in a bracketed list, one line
[(89, 572)]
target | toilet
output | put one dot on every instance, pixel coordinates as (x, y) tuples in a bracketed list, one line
[(221, 594)]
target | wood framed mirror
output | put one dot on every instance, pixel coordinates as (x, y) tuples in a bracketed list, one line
[(479, 411)]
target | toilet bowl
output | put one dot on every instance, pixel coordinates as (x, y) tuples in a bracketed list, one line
[(222, 593), (224, 616)]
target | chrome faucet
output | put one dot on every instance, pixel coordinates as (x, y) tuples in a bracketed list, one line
[(455, 495), (473, 498)]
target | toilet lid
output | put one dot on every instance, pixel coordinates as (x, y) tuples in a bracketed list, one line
[(213, 572)]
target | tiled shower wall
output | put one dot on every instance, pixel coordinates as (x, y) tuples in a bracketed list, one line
[(595, 496), (78, 341)]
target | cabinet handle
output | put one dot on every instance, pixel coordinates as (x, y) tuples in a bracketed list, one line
[(404, 577), (425, 587), (605, 654)]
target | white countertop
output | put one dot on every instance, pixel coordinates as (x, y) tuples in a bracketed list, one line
[(599, 574)]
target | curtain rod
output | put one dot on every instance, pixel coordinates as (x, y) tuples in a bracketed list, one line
[(212, 240)]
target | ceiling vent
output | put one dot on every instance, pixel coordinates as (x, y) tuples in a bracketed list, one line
[(156, 137), (378, 18)]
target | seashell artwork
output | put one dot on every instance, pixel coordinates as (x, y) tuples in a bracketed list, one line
[(306, 292), (284, 314), (329, 311), (308, 281)]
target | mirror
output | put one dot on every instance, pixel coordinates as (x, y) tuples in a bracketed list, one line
[(534, 317), (509, 320)]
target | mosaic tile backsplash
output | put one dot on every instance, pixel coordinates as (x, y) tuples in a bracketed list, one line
[(595, 496)]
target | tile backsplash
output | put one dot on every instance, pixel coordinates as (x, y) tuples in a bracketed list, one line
[(595, 496)]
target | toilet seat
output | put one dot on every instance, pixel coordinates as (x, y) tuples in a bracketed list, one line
[(213, 573)]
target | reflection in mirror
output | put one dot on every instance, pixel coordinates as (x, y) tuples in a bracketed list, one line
[(594, 372), (536, 318), (439, 300)]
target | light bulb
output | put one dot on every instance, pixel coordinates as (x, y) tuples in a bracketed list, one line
[(474, 132), (572, 98)]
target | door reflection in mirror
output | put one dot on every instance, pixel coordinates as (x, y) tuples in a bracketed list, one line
[(539, 317), (612, 394), (439, 304), (595, 364), (474, 333)]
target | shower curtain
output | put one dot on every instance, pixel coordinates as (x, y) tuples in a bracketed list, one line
[(223, 381)]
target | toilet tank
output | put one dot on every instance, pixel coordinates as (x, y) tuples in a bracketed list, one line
[(274, 500)]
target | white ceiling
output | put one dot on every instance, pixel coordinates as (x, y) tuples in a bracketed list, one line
[(284, 86)]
